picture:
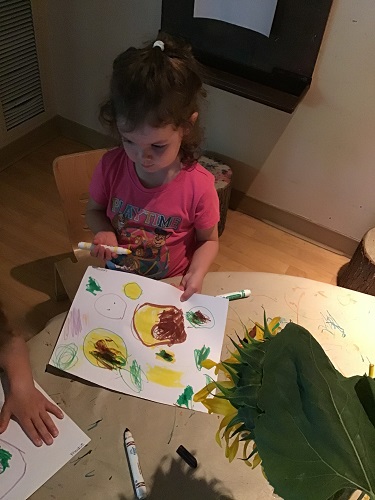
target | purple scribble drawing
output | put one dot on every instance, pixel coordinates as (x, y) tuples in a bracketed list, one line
[(9, 482), (73, 324)]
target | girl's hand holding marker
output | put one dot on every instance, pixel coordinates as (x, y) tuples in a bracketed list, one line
[(96, 249)]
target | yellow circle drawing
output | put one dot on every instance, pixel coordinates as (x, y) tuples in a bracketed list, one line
[(105, 349), (132, 290)]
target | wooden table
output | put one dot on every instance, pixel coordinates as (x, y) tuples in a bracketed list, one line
[(343, 321)]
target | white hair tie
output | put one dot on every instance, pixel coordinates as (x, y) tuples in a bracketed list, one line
[(159, 44)]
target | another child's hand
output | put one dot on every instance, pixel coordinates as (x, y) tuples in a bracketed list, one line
[(191, 283), (104, 238), (31, 410)]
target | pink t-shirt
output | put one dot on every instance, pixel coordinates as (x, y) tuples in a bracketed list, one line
[(158, 224)]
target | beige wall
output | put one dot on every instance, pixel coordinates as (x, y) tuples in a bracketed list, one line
[(323, 166), (316, 163)]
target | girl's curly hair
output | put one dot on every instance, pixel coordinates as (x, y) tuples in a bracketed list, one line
[(157, 87)]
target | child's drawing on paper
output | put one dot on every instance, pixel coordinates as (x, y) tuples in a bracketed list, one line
[(73, 323), (5, 456), (200, 317), (200, 355), (167, 356), (65, 356), (132, 290), (110, 305), (93, 286), (186, 398), (12, 467), (159, 324), (107, 350), (140, 339), (164, 376), (24, 467)]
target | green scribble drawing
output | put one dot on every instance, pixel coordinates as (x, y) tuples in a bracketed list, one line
[(5, 456), (93, 286), (197, 318), (200, 355), (186, 397), (135, 372), (169, 357), (65, 356)]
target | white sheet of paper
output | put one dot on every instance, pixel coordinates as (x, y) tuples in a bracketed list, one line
[(26, 467), (113, 336), (256, 15)]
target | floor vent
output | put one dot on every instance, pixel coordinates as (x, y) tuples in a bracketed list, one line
[(21, 94)]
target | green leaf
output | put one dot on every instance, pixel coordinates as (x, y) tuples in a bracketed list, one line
[(314, 436)]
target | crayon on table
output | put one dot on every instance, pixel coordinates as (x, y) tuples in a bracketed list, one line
[(242, 294), (135, 468), (83, 245), (187, 456)]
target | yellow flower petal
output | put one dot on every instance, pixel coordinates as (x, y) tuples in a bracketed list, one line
[(244, 454), (232, 359), (224, 422), (208, 363), (231, 451), (219, 406), (207, 390), (256, 461), (203, 393)]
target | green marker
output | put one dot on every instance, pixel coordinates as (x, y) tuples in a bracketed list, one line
[(242, 294)]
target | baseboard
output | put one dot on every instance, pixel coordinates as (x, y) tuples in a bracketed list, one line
[(29, 142), (83, 134), (293, 223)]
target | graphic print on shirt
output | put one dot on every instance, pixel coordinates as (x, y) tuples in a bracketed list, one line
[(144, 233)]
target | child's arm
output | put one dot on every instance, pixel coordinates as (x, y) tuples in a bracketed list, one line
[(204, 255), (102, 228), (22, 400)]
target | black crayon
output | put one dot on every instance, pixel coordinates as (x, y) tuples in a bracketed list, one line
[(187, 456)]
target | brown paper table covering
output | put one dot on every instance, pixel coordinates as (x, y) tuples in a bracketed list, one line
[(100, 471)]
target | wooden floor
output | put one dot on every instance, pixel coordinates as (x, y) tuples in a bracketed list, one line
[(33, 237)]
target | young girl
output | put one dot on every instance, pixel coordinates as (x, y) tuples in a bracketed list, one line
[(150, 195)]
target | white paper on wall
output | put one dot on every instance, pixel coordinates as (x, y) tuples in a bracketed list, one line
[(256, 15)]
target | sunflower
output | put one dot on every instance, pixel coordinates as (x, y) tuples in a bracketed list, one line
[(236, 397)]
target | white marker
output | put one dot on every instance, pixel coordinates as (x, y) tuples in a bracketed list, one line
[(242, 294), (131, 451), (83, 245)]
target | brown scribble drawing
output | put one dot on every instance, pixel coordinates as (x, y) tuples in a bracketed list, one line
[(156, 324), (200, 317), (107, 352)]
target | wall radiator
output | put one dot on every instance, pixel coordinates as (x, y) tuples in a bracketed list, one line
[(21, 93)]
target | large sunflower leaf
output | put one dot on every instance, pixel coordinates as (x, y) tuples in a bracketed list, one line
[(314, 436)]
